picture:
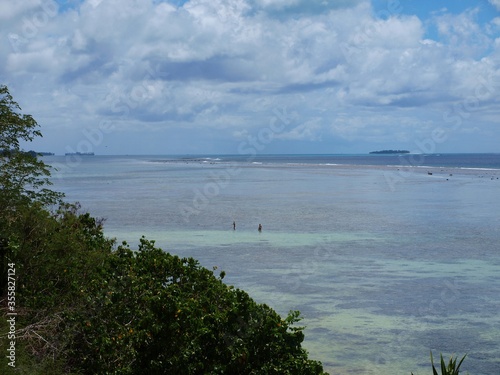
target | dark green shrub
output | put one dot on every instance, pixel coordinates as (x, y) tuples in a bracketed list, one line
[(154, 313)]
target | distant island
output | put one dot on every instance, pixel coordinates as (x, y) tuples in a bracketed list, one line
[(31, 153), (35, 153), (390, 152), (80, 153)]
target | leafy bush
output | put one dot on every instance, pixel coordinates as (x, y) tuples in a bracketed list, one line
[(55, 254), (92, 309), (151, 312)]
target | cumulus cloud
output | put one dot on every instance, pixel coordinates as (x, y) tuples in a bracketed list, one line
[(495, 3), (224, 64), (308, 131), (463, 33), (12, 9)]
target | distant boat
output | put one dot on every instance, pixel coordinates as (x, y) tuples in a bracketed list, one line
[(80, 153)]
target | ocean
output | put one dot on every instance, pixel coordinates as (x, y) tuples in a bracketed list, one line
[(387, 257)]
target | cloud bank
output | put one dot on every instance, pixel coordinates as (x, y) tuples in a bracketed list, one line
[(196, 76)]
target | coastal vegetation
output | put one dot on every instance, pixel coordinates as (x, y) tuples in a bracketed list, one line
[(80, 303)]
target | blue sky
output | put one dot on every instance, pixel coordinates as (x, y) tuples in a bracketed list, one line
[(275, 76)]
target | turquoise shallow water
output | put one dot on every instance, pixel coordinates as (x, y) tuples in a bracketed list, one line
[(384, 265)]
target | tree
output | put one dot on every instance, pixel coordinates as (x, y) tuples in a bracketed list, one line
[(23, 177)]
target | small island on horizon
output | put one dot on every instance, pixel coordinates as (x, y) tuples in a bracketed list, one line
[(31, 152), (390, 152)]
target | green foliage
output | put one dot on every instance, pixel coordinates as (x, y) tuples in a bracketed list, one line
[(55, 255), (22, 176), (90, 309), (451, 369), (152, 313)]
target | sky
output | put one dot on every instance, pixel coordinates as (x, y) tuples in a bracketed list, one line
[(161, 77)]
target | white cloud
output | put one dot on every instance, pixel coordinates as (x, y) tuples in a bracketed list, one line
[(11, 9), (277, 4), (495, 3), (308, 131), (228, 64), (464, 34), (496, 21)]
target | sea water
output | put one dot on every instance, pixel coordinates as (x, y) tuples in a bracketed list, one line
[(384, 263)]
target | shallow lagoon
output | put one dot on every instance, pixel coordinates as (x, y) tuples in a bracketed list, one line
[(384, 264)]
